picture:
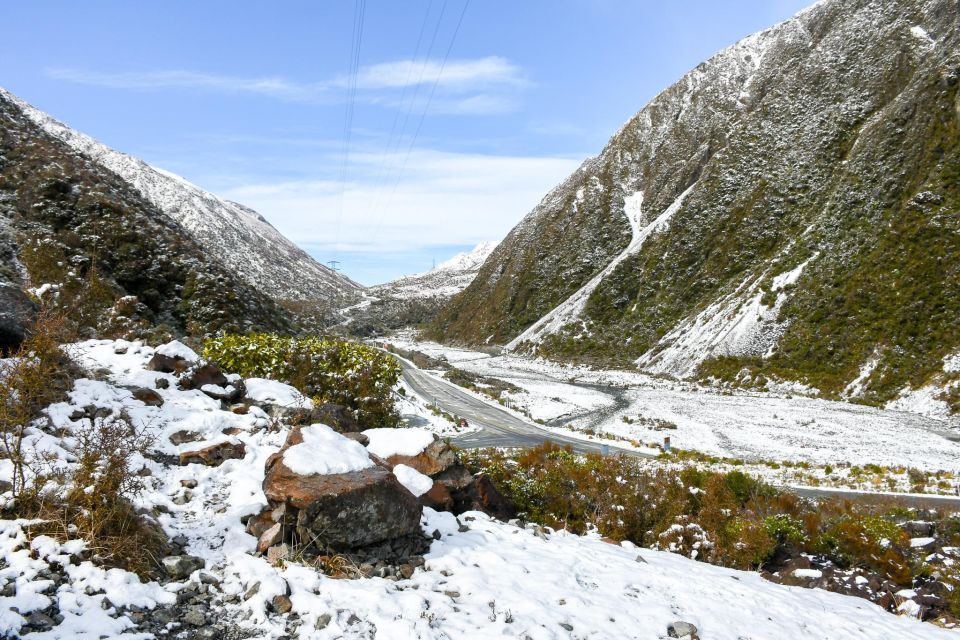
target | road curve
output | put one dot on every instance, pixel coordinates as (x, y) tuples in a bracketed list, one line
[(500, 428), (497, 427)]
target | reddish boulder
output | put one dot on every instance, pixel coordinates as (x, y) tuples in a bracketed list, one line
[(340, 510)]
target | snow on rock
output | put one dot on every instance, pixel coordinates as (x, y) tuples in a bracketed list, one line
[(411, 441), (177, 349), (415, 482), (324, 452), (571, 309), (276, 393)]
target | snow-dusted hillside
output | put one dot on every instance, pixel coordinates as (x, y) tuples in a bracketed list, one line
[(784, 211), (236, 236), (443, 281)]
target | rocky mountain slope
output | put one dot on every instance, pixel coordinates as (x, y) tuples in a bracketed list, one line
[(787, 209), (415, 299), (80, 235), (237, 237)]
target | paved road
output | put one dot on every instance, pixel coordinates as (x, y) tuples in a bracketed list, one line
[(500, 428), (497, 427)]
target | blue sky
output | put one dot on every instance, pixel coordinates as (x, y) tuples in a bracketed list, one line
[(251, 100)]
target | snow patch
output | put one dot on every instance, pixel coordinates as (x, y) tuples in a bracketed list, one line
[(324, 452), (177, 349), (414, 481), (385, 443), (276, 393)]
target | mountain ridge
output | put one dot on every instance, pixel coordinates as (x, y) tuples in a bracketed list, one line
[(244, 240)]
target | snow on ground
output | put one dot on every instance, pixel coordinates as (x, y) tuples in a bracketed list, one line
[(739, 424), (481, 579)]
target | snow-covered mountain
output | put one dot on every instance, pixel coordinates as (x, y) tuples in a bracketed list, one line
[(787, 210), (443, 281), (236, 236), (415, 299)]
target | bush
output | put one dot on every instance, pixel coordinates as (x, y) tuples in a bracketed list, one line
[(328, 370), (31, 379), (95, 493)]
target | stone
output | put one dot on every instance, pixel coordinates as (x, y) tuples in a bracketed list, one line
[(681, 629), (148, 397), (183, 436), (281, 604), (188, 483), (195, 616), (357, 437), (279, 553), (481, 495), (165, 364), (337, 417), (180, 567), (322, 621), (199, 375), (17, 314), (406, 570), (161, 383), (436, 458), (252, 591), (269, 538), (344, 510), (40, 621), (209, 579), (215, 454), (438, 498)]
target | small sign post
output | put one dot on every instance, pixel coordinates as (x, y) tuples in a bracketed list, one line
[(666, 444)]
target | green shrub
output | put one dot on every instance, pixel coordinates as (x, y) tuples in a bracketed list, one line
[(328, 370), (784, 528)]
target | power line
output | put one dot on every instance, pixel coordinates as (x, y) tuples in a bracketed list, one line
[(359, 12), (423, 114), (391, 148)]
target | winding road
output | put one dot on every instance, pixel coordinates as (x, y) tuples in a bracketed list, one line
[(500, 428), (496, 426)]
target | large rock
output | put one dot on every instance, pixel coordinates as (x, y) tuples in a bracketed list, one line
[(17, 314), (340, 510), (201, 375), (436, 458)]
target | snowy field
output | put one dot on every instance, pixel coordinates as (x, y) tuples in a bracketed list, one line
[(751, 425), (482, 578)]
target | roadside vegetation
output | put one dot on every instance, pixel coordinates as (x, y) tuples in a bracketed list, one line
[(328, 370), (725, 518)]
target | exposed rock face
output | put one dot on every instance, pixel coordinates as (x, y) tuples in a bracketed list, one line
[(17, 314), (787, 206), (342, 510)]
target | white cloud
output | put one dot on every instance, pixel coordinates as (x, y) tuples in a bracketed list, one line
[(441, 199), (457, 74), (376, 82), (180, 79)]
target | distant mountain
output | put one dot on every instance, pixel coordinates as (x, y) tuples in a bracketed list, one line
[(86, 241), (237, 237), (415, 299), (789, 209), (443, 281)]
